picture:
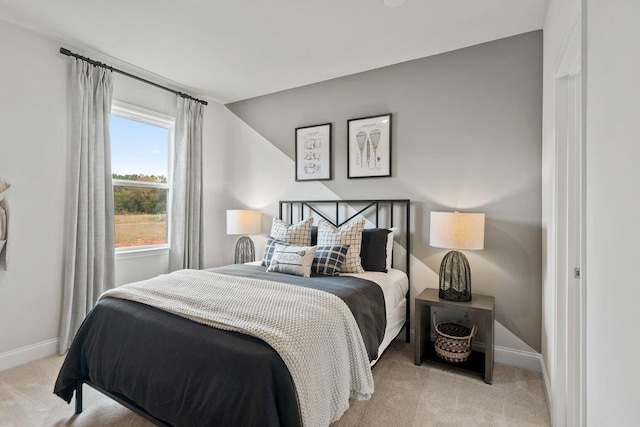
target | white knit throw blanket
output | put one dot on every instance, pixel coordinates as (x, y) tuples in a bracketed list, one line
[(313, 331)]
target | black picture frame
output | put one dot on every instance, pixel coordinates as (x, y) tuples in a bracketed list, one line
[(369, 138), (313, 152)]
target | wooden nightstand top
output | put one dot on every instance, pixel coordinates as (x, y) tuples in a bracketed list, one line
[(478, 302)]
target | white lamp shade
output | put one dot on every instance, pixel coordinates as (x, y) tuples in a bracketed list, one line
[(455, 230), (242, 221)]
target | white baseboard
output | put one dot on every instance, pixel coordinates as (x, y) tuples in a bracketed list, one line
[(20, 356), (522, 359), (519, 358), (548, 391)]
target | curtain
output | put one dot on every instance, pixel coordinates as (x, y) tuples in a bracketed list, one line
[(186, 202), (89, 255)]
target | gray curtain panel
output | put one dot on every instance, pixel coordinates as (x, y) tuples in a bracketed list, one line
[(186, 203), (89, 255)]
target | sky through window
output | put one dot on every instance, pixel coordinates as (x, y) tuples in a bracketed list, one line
[(138, 148)]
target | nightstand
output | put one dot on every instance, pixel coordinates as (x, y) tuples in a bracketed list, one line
[(478, 362)]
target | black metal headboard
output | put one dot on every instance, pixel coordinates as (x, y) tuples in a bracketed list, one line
[(339, 212)]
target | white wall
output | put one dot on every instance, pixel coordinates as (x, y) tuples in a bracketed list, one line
[(557, 24), (33, 144), (33, 111), (613, 200)]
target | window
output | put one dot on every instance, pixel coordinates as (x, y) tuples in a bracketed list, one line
[(141, 142)]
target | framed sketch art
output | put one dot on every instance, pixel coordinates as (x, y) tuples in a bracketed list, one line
[(313, 153), (369, 147)]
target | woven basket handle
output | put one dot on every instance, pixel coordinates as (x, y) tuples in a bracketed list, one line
[(473, 332), (474, 329)]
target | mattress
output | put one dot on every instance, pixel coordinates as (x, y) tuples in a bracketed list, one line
[(394, 285)]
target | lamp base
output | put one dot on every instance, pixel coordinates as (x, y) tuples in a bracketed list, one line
[(245, 251), (455, 278)]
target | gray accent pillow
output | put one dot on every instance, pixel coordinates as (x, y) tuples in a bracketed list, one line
[(329, 259)]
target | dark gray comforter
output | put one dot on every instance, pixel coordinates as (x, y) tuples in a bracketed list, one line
[(185, 373)]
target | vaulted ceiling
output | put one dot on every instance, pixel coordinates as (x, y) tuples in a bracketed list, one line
[(229, 50)]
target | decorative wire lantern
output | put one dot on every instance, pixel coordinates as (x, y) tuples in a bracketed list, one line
[(455, 277)]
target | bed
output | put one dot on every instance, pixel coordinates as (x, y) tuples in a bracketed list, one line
[(173, 370)]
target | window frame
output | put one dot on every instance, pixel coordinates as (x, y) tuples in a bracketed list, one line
[(140, 114)]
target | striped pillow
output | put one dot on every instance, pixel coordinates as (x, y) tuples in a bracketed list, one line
[(349, 234), (329, 259), (295, 260)]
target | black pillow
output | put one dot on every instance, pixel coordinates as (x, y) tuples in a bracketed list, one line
[(373, 254), (314, 235)]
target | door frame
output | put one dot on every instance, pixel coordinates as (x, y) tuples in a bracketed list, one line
[(569, 379)]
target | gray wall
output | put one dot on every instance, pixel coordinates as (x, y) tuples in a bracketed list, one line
[(467, 135)]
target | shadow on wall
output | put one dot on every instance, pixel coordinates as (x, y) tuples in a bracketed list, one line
[(509, 273), (505, 269)]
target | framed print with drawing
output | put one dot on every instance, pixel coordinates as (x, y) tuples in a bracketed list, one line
[(313, 153), (369, 147)]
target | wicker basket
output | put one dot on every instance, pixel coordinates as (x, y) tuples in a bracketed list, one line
[(453, 341)]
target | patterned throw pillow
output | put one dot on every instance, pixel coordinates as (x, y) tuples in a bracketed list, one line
[(283, 233), (329, 259), (269, 248), (295, 260), (298, 234), (349, 234)]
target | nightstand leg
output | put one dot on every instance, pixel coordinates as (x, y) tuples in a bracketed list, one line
[(423, 332), (417, 341), (488, 356), (426, 333)]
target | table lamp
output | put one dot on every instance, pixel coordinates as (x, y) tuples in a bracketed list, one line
[(455, 230), (242, 221)]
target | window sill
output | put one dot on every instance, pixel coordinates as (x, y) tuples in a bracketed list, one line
[(130, 253)]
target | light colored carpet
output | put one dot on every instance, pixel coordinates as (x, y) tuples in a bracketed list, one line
[(406, 395)]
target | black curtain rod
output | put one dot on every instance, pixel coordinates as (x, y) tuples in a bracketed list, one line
[(110, 68)]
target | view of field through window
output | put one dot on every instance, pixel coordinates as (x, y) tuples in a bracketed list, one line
[(139, 162)]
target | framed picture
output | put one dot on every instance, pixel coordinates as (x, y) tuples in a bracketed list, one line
[(313, 153), (369, 147)]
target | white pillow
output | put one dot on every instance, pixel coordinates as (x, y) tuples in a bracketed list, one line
[(392, 231), (298, 234), (349, 234), (294, 260)]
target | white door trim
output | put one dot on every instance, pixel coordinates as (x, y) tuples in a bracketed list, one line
[(568, 92)]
